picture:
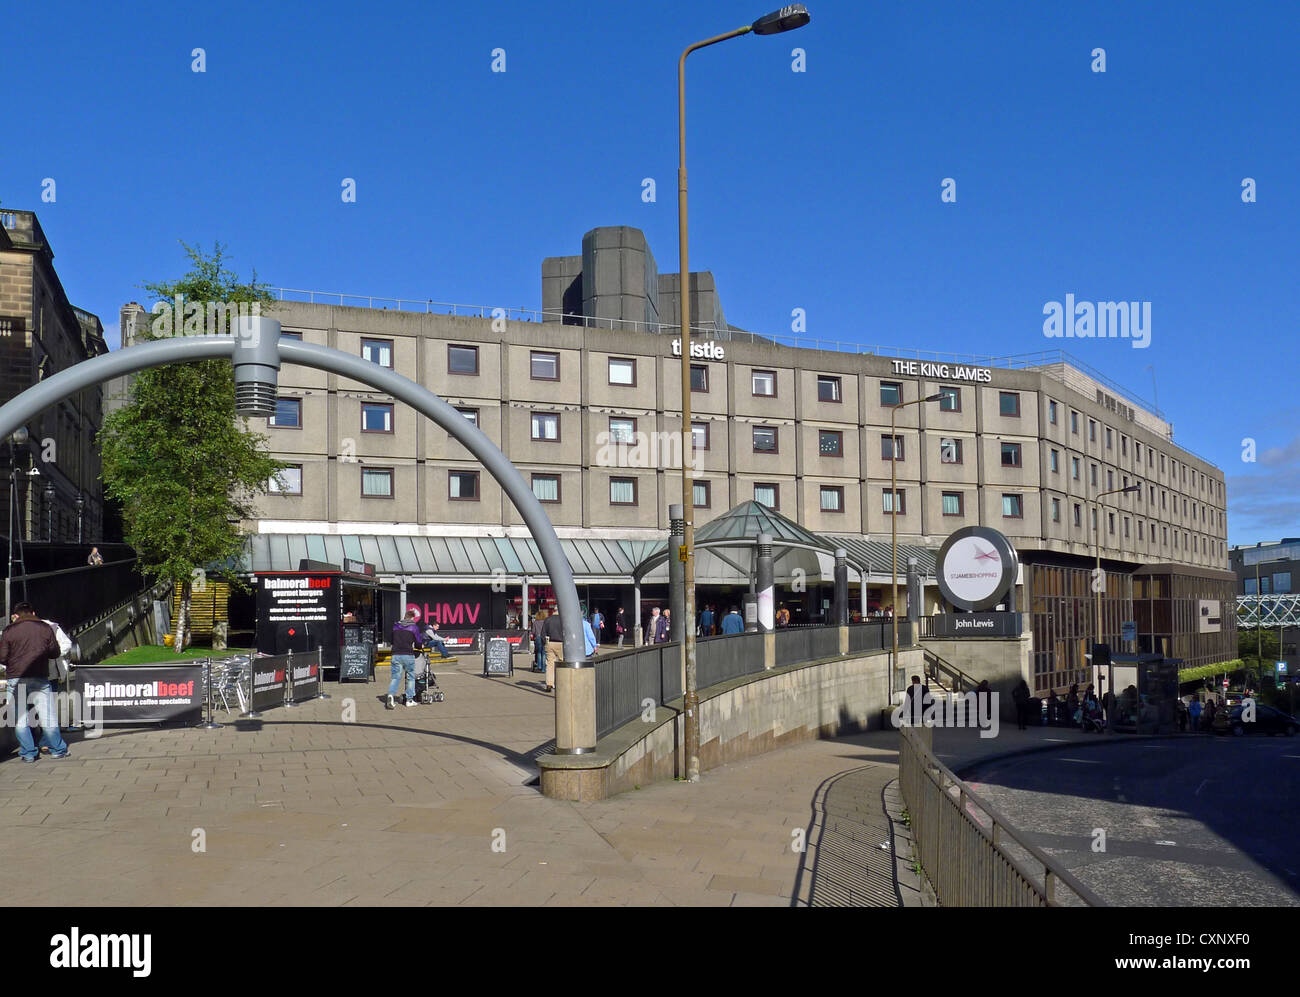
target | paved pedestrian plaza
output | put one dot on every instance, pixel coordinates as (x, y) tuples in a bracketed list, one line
[(341, 802)]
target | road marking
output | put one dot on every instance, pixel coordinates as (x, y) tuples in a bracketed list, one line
[(1291, 756), (1200, 787), (1080, 761), (1166, 843)]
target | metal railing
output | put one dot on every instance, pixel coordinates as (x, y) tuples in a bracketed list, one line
[(971, 854), (806, 644), (626, 679), (946, 673)]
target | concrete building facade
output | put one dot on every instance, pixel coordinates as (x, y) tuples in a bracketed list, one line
[(42, 333)]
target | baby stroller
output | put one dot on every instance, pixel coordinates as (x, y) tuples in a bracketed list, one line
[(426, 683), (1092, 720)]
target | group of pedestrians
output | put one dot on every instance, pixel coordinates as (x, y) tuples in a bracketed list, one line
[(34, 653), (1196, 717)]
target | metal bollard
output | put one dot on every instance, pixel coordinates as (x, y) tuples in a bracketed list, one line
[(320, 676), (288, 684), (210, 724)]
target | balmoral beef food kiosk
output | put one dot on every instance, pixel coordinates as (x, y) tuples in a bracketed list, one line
[(319, 605)]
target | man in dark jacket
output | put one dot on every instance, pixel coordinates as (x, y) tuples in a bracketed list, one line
[(26, 648), (406, 638), (539, 641), (554, 632)]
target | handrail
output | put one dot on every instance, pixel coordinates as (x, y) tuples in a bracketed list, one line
[(951, 670), (946, 782), (74, 568)]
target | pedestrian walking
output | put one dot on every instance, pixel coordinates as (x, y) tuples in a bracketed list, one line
[(598, 626), (96, 559), (732, 622), (27, 647), (539, 641), (917, 699), (665, 627), (620, 625), (706, 622), (783, 617), (406, 638), (588, 638), (554, 630), (1020, 696), (652, 628), (1194, 713)]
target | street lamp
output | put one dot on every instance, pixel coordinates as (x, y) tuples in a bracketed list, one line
[(893, 518), (49, 513), (18, 439), (1259, 619), (1097, 582), (81, 508), (785, 19)]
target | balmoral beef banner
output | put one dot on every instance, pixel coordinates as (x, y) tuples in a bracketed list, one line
[(141, 693)]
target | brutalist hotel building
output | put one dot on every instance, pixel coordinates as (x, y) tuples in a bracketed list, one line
[(1022, 445)]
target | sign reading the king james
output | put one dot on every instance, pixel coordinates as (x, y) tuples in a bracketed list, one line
[(141, 694), (977, 568)]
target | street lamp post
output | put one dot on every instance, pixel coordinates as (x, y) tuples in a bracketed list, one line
[(785, 19), (893, 521)]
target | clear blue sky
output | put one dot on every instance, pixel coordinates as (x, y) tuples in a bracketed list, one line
[(817, 190)]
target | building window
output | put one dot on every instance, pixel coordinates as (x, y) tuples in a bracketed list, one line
[(1051, 411), (828, 388), (1281, 581), (887, 502), (1109, 439), (891, 393), (378, 351), (546, 487), (376, 417), (765, 439), (462, 359), (1074, 468), (1092, 474), (830, 442), (1009, 403), (288, 414), (1056, 462), (543, 366), (1140, 536), (1074, 423), (891, 447), (546, 426), (1056, 510), (700, 435), (377, 482), (622, 491), (462, 486), (622, 371), (1137, 451), (700, 494), (1126, 532), (952, 503), (1123, 446), (287, 481), (949, 450), (1012, 507), (1010, 454), (1092, 430), (1110, 523), (622, 430), (768, 495), (1078, 516), (832, 497), (470, 414), (949, 398), (699, 377), (764, 383), (1110, 478)]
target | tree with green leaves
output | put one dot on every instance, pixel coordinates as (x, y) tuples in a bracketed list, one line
[(184, 467)]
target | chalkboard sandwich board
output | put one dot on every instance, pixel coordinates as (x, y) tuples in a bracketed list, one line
[(497, 659), (357, 663)]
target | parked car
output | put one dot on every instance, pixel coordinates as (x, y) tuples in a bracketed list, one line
[(1267, 721)]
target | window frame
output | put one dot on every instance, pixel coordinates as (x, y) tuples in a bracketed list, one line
[(776, 438), (956, 395), (635, 490), (609, 372), (1019, 454), (838, 382), (776, 493), (704, 483), (609, 429), (463, 373), (891, 384), (839, 443), (388, 470), (392, 351), (392, 418), (559, 486), (532, 416), (1009, 394), (534, 356), (703, 369), (956, 441), (961, 503), (270, 419), (478, 490), (838, 491), (897, 452), (753, 373), (1019, 505), (706, 426), (465, 409), (899, 500), (285, 492)]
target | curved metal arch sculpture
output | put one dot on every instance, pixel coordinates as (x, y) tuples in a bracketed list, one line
[(258, 350)]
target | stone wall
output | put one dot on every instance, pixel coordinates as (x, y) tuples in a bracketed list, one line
[(738, 719)]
